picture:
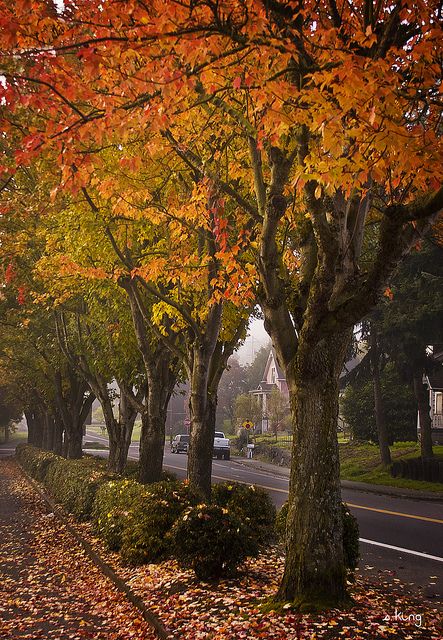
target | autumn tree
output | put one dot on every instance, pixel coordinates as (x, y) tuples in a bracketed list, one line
[(332, 117)]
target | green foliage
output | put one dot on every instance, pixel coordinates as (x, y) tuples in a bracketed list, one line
[(74, 483), (112, 508), (399, 406), (350, 533), (211, 540), (253, 507), (35, 461), (146, 538), (132, 470)]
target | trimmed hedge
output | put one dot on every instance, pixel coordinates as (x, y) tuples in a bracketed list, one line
[(35, 461), (253, 507), (350, 533), (210, 540), (148, 523), (74, 484)]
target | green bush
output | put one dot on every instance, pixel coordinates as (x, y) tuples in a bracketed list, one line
[(280, 521), (350, 538), (146, 536), (350, 533), (112, 509), (210, 540), (35, 461), (74, 483), (253, 507)]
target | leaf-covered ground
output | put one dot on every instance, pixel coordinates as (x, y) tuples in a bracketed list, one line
[(229, 610), (49, 588)]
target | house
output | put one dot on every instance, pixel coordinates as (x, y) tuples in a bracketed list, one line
[(434, 383), (273, 379)]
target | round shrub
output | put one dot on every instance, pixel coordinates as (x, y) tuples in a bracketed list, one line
[(112, 507), (253, 507), (350, 533), (210, 540), (147, 534)]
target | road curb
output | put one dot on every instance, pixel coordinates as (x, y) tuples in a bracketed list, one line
[(157, 625)]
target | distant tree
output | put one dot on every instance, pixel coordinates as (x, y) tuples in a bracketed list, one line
[(278, 410), (247, 407), (10, 411), (358, 409), (233, 382), (412, 320), (254, 371)]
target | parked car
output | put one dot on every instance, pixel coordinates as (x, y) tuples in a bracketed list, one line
[(222, 446), (180, 444)]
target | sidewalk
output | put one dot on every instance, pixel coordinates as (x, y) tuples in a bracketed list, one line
[(380, 489), (48, 586)]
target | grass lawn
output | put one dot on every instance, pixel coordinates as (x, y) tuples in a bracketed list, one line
[(361, 462), (101, 430), (15, 436)]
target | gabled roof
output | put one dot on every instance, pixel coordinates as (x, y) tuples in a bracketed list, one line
[(272, 359), (435, 380)]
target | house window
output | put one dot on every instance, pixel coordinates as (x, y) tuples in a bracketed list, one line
[(439, 403), (273, 376)]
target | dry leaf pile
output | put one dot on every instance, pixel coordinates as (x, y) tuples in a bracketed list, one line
[(49, 588)]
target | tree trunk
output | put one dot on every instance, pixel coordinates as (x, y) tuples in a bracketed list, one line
[(120, 439), (314, 570), (380, 419), (161, 378), (424, 417), (48, 432), (202, 405), (74, 441), (58, 436), (34, 420)]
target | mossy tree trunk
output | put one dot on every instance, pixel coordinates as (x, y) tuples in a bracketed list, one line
[(161, 376), (206, 362), (202, 410), (314, 569)]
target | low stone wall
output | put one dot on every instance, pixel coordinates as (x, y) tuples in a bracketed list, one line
[(273, 454)]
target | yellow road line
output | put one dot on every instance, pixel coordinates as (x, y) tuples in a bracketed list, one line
[(350, 504), (395, 513)]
